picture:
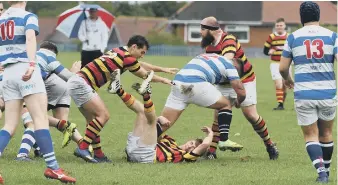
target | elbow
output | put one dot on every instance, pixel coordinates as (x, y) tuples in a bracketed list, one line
[(266, 51)]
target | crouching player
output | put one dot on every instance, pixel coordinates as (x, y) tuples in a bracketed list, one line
[(146, 144)]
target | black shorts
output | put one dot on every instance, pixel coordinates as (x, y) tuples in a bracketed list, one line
[(89, 56)]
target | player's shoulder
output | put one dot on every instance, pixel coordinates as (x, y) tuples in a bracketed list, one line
[(229, 36)]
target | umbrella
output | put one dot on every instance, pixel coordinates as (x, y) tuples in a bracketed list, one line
[(69, 21)]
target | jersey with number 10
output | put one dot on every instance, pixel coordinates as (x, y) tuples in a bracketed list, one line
[(13, 26), (313, 49)]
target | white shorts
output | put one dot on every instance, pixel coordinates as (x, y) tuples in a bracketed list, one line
[(14, 88), (57, 92), (79, 90), (274, 69), (138, 152), (202, 94), (309, 111), (251, 93)]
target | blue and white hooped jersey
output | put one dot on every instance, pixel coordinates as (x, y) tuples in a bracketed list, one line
[(48, 63), (210, 68), (313, 49), (13, 26)]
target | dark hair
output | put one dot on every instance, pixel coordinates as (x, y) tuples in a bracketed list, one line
[(309, 12), (198, 141), (50, 46), (280, 20), (139, 40)]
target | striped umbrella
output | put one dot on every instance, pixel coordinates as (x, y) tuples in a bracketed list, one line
[(69, 21)]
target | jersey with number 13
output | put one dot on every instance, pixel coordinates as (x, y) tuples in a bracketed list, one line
[(313, 49)]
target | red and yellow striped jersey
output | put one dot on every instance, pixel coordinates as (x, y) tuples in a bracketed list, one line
[(97, 73), (276, 42), (230, 44), (167, 150)]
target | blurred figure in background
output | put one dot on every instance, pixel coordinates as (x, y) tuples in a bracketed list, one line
[(94, 37)]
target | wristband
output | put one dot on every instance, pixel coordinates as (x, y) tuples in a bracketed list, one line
[(32, 64)]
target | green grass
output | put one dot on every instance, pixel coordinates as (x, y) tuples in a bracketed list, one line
[(292, 168)]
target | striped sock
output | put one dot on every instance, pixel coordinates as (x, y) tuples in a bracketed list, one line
[(280, 95), (44, 140), (224, 121), (92, 131), (4, 140), (262, 130), (27, 142), (97, 147), (316, 155), (62, 125), (148, 103), (327, 148), (127, 98), (215, 138)]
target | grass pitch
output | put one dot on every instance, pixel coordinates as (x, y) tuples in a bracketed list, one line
[(292, 168)]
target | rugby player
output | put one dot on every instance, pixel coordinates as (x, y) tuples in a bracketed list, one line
[(18, 56), (313, 50)]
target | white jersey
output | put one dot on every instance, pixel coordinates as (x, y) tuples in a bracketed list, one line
[(313, 49), (48, 63), (210, 68), (13, 25)]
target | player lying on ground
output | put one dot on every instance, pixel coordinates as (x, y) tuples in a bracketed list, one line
[(313, 50), (274, 48), (214, 40), (147, 144), (194, 84), (19, 58), (83, 87)]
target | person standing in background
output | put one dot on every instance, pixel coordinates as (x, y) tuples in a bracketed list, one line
[(93, 34)]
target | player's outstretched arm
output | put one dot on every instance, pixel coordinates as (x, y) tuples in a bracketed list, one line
[(202, 148), (142, 73), (155, 68)]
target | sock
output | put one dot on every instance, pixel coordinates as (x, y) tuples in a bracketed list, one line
[(262, 130), (62, 125), (327, 148), (316, 155), (35, 146), (148, 103), (128, 99), (27, 142), (4, 140), (224, 121), (280, 95), (215, 138), (92, 131), (44, 140), (97, 147)]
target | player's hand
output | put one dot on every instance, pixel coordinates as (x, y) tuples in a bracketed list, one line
[(237, 104), (289, 83), (28, 73), (170, 70), (167, 81), (76, 67), (164, 121), (271, 51), (207, 130)]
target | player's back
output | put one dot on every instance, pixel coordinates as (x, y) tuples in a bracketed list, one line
[(312, 49), (210, 68), (13, 25)]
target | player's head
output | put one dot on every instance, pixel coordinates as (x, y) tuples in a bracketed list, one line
[(93, 13), (50, 46), (1, 8), (191, 145), (138, 46), (238, 63), (309, 12), (280, 25), (209, 29), (18, 4)]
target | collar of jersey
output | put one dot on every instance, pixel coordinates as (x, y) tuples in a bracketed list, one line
[(48, 52)]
